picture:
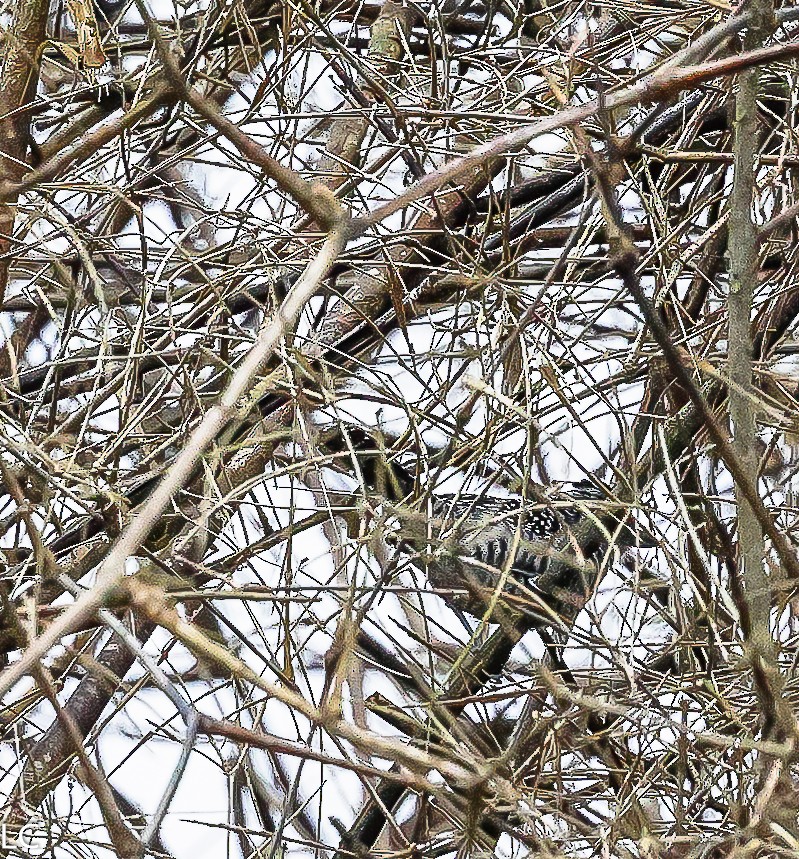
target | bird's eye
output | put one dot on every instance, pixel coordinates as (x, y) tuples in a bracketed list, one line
[(594, 550)]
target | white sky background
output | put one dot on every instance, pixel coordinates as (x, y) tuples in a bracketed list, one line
[(141, 771)]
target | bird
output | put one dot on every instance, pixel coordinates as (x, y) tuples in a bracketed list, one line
[(487, 555), (497, 556)]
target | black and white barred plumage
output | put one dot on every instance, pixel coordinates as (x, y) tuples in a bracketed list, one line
[(486, 554), (472, 544)]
